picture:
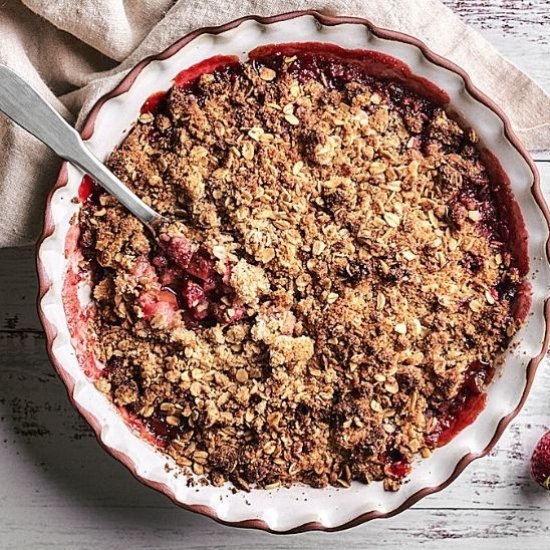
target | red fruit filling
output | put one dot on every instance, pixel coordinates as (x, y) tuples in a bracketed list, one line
[(178, 249), (455, 415), (190, 283), (395, 465), (161, 304)]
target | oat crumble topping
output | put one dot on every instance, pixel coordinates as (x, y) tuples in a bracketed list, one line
[(337, 273)]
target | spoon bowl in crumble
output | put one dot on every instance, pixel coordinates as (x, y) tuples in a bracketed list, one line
[(344, 269)]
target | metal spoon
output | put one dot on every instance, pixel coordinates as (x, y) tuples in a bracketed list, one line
[(24, 105)]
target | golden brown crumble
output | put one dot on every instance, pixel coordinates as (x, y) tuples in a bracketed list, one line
[(353, 234)]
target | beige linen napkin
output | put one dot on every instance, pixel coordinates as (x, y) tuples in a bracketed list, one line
[(74, 52)]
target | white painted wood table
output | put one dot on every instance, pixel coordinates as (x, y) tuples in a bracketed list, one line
[(59, 489)]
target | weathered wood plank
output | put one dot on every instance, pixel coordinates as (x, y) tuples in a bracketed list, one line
[(520, 30), (109, 528), (18, 290), (522, 18)]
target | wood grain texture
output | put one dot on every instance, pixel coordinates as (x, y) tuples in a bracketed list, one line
[(520, 29), (60, 489), (521, 18)]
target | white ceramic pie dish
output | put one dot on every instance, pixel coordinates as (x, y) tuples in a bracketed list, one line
[(299, 508)]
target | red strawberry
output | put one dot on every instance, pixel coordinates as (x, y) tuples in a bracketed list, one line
[(540, 462)]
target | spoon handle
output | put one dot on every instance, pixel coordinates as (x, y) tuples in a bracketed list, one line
[(20, 102)]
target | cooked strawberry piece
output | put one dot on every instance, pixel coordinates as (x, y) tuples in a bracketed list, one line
[(201, 265), (396, 466), (143, 269), (179, 250), (160, 261), (211, 284), (171, 277), (193, 294), (168, 297), (397, 470), (196, 300), (163, 431), (161, 305)]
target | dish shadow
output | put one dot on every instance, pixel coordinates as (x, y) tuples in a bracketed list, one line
[(49, 443)]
